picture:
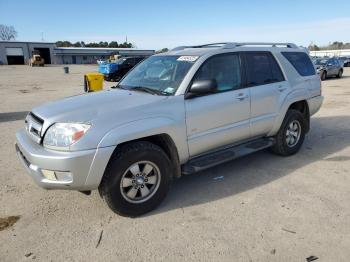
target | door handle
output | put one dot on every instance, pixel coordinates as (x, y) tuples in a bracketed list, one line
[(282, 88), (241, 96)]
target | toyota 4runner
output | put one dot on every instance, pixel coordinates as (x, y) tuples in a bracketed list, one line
[(175, 113)]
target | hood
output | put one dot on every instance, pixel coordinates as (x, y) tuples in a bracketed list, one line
[(91, 106)]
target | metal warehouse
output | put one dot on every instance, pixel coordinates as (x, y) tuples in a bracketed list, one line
[(19, 53), (83, 55)]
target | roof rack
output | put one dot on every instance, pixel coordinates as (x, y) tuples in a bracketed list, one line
[(227, 45)]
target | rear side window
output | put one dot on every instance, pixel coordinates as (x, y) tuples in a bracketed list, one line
[(301, 62), (262, 69)]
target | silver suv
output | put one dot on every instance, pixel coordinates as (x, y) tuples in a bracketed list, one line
[(175, 113)]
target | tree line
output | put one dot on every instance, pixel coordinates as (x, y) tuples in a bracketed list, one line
[(112, 44), (331, 46), (7, 33)]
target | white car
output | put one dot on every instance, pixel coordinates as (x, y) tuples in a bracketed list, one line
[(101, 61)]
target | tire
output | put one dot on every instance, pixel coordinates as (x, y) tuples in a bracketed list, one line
[(340, 73), (323, 75), (285, 146), (121, 178)]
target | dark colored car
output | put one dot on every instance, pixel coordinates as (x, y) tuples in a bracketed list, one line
[(328, 67), (345, 60), (115, 71)]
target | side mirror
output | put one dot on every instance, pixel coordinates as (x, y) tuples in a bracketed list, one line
[(202, 87)]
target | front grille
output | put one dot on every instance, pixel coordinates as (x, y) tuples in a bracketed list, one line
[(34, 125)]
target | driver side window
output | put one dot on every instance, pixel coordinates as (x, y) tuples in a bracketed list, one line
[(224, 69)]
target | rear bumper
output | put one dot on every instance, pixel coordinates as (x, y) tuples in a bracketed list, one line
[(86, 166), (315, 104)]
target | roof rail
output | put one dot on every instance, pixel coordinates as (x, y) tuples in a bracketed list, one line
[(289, 45), (227, 45)]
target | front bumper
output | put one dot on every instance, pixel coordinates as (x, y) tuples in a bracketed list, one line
[(87, 166)]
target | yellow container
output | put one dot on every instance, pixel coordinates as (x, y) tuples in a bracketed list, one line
[(93, 82)]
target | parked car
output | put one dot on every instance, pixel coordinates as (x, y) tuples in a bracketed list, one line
[(116, 70), (328, 67), (345, 61), (175, 113), (101, 61)]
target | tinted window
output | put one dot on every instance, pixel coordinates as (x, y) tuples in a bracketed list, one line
[(262, 69), (225, 69), (130, 61), (138, 59), (277, 75), (301, 62)]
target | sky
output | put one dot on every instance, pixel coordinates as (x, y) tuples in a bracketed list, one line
[(155, 24)]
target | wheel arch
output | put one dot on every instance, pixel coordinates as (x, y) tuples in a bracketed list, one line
[(166, 143), (297, 103)]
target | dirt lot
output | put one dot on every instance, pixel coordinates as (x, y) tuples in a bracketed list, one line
[(258, 208)]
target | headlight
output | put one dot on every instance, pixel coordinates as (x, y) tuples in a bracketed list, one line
[(62, 135)]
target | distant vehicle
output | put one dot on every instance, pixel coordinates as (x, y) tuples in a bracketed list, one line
[(345, 61), (101, 61), (174, 114), (327, 67), (36, 59), (116, 70)]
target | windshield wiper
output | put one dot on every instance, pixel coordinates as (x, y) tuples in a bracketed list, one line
[(147, 90), (119, 86)]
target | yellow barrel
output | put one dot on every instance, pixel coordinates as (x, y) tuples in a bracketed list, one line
[(93, 82)]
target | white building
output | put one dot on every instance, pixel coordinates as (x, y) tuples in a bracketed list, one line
[(331, 53)]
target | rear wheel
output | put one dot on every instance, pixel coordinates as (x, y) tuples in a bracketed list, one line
[(137, 179), (291, 135)]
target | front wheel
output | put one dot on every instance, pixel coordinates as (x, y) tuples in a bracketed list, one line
[(137, 179), (323, 75), (291, 135)]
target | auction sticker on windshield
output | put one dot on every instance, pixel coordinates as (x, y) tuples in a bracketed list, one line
[(188, 58)]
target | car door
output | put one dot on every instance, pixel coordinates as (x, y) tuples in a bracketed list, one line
[(268, 89), (331, 67), (222, 117)]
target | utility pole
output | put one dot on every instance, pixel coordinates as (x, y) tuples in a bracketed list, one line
[(42, 36), (126, 39)]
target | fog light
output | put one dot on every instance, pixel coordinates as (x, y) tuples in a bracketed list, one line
[(64, 176), (48, 174), (61, 176)]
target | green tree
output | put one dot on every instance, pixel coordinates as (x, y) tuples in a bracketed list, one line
[(163, 50), (77, 44), (7, 32), (113, 44)]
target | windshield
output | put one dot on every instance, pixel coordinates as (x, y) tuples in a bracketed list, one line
[(321, 61), (161, 74), (120, 61)]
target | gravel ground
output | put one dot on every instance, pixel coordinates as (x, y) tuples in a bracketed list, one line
[(258, 208)]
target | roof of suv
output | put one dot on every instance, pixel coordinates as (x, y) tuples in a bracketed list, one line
[(200, 50)]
